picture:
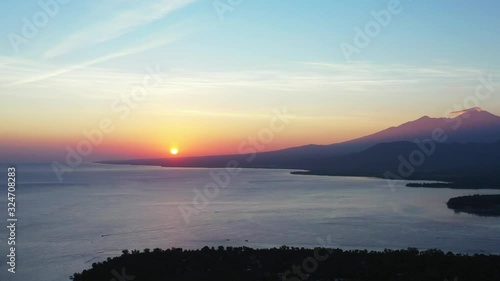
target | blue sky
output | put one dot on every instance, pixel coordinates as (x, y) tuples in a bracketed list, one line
[(260, 55), (266, 31)]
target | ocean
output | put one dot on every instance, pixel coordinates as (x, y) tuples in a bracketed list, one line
[(99, 210)]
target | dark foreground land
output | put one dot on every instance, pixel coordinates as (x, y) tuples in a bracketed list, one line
[(481, 205), (245, 264)]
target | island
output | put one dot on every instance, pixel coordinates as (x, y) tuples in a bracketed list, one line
[(481, 205), (294, 264), (432, 185)]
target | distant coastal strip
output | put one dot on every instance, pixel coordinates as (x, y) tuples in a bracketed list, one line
[(441, 181), (479, 184), (462, 166)]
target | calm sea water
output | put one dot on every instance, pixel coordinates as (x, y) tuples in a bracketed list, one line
[(101, 209)]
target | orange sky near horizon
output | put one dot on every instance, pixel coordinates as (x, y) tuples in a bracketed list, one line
[(148, 140), (146, 134), (180, 77)]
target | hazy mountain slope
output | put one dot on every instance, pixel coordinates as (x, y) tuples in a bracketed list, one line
[(474, 125), (469, 149), (472, 165)]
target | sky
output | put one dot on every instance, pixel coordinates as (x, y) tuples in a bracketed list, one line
[(135, 79)]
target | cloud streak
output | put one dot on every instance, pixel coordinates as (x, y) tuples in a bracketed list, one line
[(469, 110), (118, 25), (328, 80), (148, 45)]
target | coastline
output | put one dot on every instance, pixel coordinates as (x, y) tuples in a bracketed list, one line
[(292, 263), (420, 181), (479, 205)]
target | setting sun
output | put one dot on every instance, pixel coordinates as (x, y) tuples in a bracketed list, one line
[(174, 151)]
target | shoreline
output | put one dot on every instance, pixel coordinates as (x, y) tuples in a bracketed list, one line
[(417, 181), (290, 263), (479, 205), (434, 181)]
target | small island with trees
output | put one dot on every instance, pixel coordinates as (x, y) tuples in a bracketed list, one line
[(481, 205), (294, 264)]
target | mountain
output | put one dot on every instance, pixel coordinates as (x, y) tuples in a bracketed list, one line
[(471, 125), (469, 165), (409, 160), (464, 147)]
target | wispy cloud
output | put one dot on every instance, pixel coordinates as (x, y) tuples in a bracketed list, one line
[(399, 70), (340, 80), (173, 34), (194, 112), (116, 26), (469, 110)]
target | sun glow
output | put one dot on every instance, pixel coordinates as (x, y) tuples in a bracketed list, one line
[(174, 151)]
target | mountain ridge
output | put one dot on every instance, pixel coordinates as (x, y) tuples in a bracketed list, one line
[(421, 128), (462, 139)]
